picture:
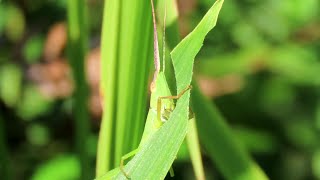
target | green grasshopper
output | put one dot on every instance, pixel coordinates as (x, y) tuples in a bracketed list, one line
[(161, 103)]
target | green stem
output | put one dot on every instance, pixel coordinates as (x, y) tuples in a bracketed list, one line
[(77, 39), (194, 149)]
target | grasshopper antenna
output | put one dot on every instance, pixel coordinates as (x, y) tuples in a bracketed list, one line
[(164, 36), (155, 50)]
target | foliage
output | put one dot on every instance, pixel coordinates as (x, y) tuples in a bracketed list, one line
[(255, 92)]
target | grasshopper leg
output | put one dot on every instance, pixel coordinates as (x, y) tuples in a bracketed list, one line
[(169, 97), (125, 157)]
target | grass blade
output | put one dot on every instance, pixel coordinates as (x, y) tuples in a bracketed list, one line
[(133, 70), (109, 45), (194, 149), (124, 71), (231, 159), (77, 39), (185, 52)]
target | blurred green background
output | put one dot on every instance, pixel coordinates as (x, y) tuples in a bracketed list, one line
[(260, 65)]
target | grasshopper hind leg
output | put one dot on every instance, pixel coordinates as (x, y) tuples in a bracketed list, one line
[(125, 157)]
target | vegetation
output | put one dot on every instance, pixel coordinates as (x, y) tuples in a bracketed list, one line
[(68, 113)]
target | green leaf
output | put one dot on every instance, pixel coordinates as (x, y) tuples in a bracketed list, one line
[(10, 84), (110, 175), (230, 157), (156, 156), (32, 103), (125, 65), (37, 134), (33, 48), (193, 149), (185, 52), (77, 49), (15, 23), (241, 63), (63, 166), (316, 164)]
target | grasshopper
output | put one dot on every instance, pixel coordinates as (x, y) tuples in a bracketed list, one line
[(161, 103)]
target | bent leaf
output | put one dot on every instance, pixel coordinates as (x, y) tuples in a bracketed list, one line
[(231, 159)]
